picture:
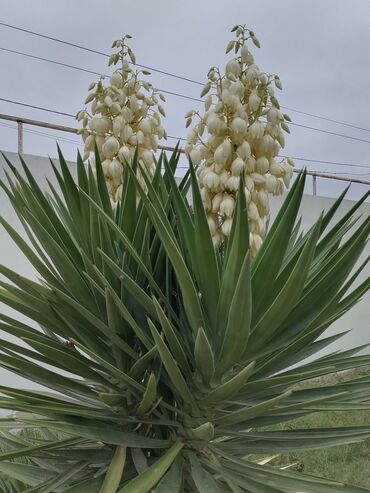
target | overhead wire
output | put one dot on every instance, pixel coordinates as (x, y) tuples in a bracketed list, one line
[(74, 142), (183, 139), (85, 48), (171, 93), (168, 92), (169, 74), (11, 101), (43, 134), (80, 69)]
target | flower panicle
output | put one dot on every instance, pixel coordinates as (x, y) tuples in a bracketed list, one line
[(240, 132), (124, 115)]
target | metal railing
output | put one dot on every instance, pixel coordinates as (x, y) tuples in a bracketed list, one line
[(27, 121)]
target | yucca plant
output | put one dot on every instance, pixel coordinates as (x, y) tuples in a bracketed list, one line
[(165, 360)]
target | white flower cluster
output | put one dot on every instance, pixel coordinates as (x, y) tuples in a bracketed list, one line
[(124, 116), (240, 133)]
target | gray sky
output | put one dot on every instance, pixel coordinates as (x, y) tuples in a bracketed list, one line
[(320, 49)]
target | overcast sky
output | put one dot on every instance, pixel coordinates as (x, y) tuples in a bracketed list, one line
[(320, 49)]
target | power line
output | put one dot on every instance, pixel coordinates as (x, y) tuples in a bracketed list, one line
[(176, 138), (169, 74), (326, 119), (70, 141), (67, 65), (350, 165), (74, 67), (43, 134), (344, 136), (74, 45), (183, 139), (37, 107)]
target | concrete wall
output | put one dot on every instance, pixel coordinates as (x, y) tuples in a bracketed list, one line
[(357, 319)]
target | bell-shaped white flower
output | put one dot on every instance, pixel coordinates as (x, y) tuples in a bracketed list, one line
[(110, 147), (233, 67), (239, 126), (226, 226), (227, 205)]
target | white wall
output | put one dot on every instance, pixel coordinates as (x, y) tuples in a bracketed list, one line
[(357, 319)]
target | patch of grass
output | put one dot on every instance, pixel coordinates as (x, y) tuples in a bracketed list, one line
[(346, 463)]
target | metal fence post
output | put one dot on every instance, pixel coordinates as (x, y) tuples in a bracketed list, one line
[(20, 137), (314, 184)]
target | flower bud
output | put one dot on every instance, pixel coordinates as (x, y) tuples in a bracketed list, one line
[(244, 150), (115, 109), (227, 206), (118, 123), (208, 102), (257, 242), (256, 130), (99, 141), (250, 165), (263, 200), (253, 211), (211, 180), (219, 156), (116, 80), (160, 132), (140, 137), (124, 154), (115, 171), (145, 126), (277, 169), (216, 239), (195, 156), (254, 101), (244, 54), (118, 193), (110, 147), (126, 132), (127, 114), (147, 157), (105, 166), (93, 123), (101, 125), (233, 67), (108, 101), (258, 179), (216, 201), (271, 183), (239, 126), (267, 146), (90, 143), (206, 198), (273, 115), (263, 79), (212, 224), (226, 226), (233, 183), (214, 124), (262, 165), (249, 183), (237, 166), (134, 105)]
